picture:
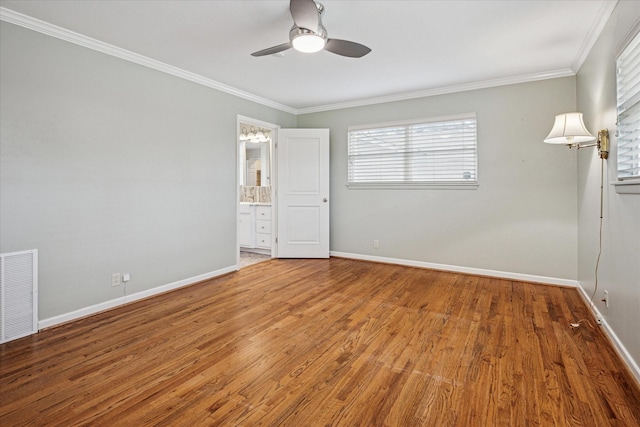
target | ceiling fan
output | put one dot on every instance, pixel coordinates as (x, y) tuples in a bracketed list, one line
[(309, 35)]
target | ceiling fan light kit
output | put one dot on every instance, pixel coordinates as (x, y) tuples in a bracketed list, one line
[(306, 41), (308, 35)]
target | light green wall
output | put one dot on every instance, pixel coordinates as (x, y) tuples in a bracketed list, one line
[(619, 270), (108, 166), (521, 219)]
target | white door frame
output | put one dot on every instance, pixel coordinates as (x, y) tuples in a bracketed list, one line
[(274, 182)]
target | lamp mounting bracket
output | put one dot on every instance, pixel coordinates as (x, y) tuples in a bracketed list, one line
[(602, 144)]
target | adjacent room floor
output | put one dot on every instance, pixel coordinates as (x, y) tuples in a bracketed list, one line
[(250, 258)]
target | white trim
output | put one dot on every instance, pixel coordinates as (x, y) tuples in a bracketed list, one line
[(567, 72), (256, 122), (411, 186), (29, 251), (606, 328), (628, 181), (127, 299), (627, 187), (635, 29), (460, 269), (272, 145), (418, 121), (606, 9), (34, 294), (43, 27)]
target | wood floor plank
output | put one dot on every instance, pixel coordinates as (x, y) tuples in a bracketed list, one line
[(326, 342)]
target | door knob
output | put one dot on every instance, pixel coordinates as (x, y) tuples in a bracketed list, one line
[(324, 200)]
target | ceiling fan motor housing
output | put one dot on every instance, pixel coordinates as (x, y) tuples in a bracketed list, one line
[(308, 35), (297, 31)]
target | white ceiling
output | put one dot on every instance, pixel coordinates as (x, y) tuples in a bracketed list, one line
[(418, 47)]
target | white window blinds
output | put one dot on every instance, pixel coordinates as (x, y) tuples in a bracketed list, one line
[(441, 150), (628, 93)]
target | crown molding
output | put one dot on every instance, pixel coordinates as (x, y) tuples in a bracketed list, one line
[(606, 9), (43, 27), (526, 78)]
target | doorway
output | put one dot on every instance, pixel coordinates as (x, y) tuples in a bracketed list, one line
[(256, 191)]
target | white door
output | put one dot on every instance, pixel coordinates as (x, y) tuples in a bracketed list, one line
[(303, 193)]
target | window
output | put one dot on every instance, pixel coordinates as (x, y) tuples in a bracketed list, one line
[(427, 152), (628, 93)]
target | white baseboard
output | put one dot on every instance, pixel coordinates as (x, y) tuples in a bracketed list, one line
[(459, 269), (127, 299), (617, 344)]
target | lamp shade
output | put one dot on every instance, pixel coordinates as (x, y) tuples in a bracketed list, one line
[(569, 129)]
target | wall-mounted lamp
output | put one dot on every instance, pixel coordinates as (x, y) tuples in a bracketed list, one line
[(569, 130)]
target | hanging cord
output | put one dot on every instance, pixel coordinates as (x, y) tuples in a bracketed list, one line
[(595, 289)]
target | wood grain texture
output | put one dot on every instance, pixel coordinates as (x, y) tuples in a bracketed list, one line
[(325, 342)]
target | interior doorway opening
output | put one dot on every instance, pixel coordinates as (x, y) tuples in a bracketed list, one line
[(256, 191)]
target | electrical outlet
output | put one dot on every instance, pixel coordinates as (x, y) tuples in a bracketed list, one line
[(599, 319), (116, 279), (606, 299), (376, 244)]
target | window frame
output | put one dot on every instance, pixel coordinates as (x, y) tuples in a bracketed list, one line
[(630, 184), (433, 185)]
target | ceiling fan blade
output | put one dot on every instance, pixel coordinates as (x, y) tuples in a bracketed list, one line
[(272, 50), (346, 48), (305, 14)]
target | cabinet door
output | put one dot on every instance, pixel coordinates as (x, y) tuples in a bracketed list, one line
[(245, 229), (263, 240), (263, 226), (263, 213)]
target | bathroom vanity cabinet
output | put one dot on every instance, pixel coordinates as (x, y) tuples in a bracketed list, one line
[(254, 227)]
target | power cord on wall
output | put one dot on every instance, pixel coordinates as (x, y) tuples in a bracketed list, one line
[(595, 289)]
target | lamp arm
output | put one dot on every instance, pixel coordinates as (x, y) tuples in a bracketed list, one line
[(602, 143), (595, 144)]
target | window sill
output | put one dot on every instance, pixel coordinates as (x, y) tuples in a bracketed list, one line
[(627, 187), (416, 186)]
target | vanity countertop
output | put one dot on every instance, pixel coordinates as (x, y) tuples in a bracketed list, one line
[(255, 204)]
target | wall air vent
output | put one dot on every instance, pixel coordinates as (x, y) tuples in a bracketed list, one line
[(18, 294)]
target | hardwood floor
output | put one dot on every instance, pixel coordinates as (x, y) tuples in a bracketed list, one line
[(325, 342)]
